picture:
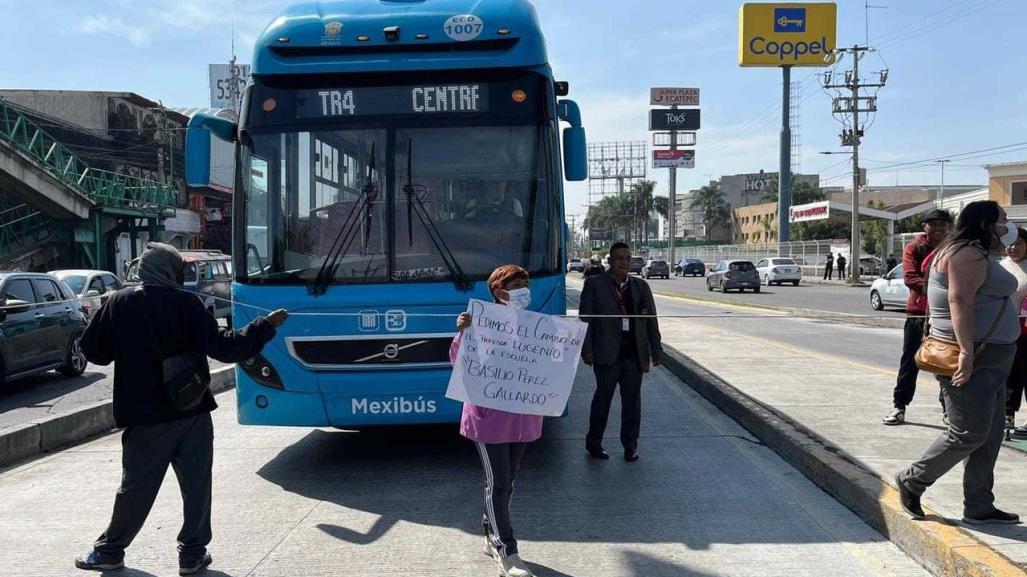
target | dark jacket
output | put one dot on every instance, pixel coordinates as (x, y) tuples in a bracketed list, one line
[(603, 339), (118, 334), (913, 275)]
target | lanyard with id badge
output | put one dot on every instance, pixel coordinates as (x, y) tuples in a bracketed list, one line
[(618, 294)]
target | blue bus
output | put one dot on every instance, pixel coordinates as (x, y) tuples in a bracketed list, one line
[(390, 154)]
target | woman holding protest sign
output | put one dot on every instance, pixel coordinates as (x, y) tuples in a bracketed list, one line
[(501, 437)]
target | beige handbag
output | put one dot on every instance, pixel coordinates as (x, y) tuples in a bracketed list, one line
[(941, 357)]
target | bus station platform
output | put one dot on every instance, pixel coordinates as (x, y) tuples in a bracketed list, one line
[(705, 499)]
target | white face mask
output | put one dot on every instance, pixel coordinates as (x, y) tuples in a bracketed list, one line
[(1011, 234), (519, 298)]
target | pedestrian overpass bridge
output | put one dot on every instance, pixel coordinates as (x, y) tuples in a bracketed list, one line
[(55, 197)]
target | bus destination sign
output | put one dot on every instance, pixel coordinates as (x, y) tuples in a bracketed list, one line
[(386, 100)]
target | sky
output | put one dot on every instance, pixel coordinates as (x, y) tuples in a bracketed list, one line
[(956, 79)]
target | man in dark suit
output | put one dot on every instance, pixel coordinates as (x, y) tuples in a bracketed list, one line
[(619, 349)]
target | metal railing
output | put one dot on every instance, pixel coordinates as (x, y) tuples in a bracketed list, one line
[(811, 254), (22, 227), (102, 187)]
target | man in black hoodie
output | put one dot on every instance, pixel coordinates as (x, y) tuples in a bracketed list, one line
[(156, 433)]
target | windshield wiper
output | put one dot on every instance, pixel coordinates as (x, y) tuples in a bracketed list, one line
[(348, 231), (415, 205)]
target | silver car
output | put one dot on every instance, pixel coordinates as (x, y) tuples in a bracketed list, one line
[(733, 274), (889, 290), (779, 270), (91, 286)]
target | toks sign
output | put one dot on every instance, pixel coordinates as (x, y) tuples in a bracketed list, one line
[(667, 119)]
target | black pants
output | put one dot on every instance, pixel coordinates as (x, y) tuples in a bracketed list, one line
[(146, 451), (501, 461), (628, 374), (828, 271), (841, 271), (1017, 377), (905, 384)]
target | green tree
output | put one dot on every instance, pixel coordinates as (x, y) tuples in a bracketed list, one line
[(642, 193), (768, 228), (716, 211), (802, 193)]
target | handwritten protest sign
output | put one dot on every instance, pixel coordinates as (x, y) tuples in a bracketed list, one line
[(516, 360)]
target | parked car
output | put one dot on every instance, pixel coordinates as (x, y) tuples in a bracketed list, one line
[(208, 273), (733, 274), (91, 286), (689, 267), (575, 265), (779, 270), (41, 323), (889, 290), (657, 268), (870, 265), (637, 263)]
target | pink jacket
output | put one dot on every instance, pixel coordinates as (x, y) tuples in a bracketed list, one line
[(493, 426)]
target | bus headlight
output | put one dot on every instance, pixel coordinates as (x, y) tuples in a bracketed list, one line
[(263, 372)]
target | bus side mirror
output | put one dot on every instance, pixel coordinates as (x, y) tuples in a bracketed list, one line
[(575, 161), (197, 145), (575, 157)]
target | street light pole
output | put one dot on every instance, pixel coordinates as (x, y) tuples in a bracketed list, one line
[(941, 190)]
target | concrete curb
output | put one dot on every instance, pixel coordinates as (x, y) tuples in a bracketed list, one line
[(941, 547), (59, 431)]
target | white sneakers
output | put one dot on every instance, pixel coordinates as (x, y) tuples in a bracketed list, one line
[(512, 566), (895, 417), (490, 549)]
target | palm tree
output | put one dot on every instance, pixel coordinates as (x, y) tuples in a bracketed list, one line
[(642, 192), (716, 210), (768, 228)]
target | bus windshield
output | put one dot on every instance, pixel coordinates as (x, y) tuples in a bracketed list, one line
[(399, 199)]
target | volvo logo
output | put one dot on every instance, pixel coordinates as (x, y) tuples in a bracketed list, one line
[(391, 351)]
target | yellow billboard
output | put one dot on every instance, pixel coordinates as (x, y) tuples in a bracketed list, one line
[(787, 34)]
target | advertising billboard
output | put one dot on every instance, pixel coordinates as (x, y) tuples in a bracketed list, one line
[(226, 84), (674, 158), (812, 211), (787, 34)]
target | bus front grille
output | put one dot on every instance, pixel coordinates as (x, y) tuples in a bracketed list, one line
[(375, 351)]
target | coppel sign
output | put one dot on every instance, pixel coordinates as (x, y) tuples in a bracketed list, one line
[(787, 34)]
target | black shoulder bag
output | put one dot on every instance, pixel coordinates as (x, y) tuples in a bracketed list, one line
[(186, 376)]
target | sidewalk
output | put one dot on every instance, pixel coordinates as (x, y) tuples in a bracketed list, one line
[(705, 500), (843, 404)]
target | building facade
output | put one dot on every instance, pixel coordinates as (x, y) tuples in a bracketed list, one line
[(1007, 185)]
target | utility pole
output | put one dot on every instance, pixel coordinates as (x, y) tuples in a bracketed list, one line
[(784, 180), (672, 199), (851, 137), (941, 190)]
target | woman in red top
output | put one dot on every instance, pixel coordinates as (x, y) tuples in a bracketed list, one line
[(501, 437)]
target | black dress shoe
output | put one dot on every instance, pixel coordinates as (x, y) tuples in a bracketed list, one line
[(631, 456), (910, 501), (597, 453), (996, 516)]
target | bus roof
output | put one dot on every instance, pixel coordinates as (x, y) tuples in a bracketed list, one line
[(343, 36)]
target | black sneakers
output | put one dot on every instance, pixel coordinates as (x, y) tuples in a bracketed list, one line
[(997, 516), (93, 561), (597, 453), (631, 456), (910, 501)]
